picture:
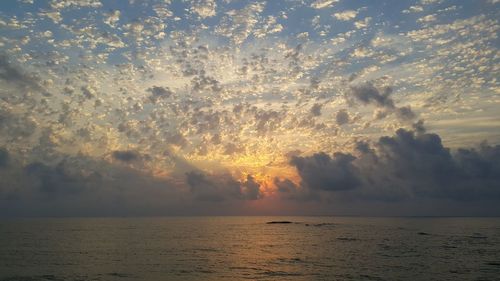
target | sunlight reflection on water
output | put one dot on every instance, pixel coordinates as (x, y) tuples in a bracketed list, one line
[(246, 248)]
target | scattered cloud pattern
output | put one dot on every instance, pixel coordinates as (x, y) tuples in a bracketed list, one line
[(173, 107)]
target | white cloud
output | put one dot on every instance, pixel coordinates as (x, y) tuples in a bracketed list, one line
[(204, 8), (321, 4), (346, 15), (363, 23)]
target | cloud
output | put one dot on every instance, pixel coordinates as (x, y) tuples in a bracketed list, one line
[(239, 24), (321, 4), (206, 189), (14, 75), (112, 18), (158, 93), (342, 117), (367, 93), (405, 113), (75, 4), (4, 157), (363, 23), (408, 164), (322, 172), (285, 185), (159, 87), (316, 109), (204, 8), (291, 191), (345, 15), (54, 180), (267, 120), (81, 186), (426, 19), (251, 188), (126, 155), (222, 187), (15, 127), (231, 148)]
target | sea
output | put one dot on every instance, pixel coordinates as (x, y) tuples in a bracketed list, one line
[(250, 248)]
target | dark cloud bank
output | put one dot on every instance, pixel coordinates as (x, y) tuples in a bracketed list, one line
[(411, 169), (222, 187), (408, 165), (82, 186)]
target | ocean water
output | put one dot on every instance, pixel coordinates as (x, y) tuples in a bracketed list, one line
[(247, 248)]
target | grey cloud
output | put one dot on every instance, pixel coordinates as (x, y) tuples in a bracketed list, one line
[(408, 164), (207, 121), (55, 180), (12, 74), (4, 157), (405, 113), (342, 117), (251, 188), (316, 109), (158, 93), (126, 155), (177, 139), (292, 153), (14, 126), (292, 191), (322, 172), (204, 188), (222, 187), (367, 93), (203, 82), (232, 148), (81, 186), (88, 92), (267, 120), (418, 127), (285, 185), (380, 114)]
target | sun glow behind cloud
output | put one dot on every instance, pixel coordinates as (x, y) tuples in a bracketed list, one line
[(236, 90)]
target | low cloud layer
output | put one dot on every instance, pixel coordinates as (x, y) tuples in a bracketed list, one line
[(84, 186), (126, 155), (222, 187), (407, 165)]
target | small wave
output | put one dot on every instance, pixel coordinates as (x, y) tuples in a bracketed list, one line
[(206, 250), (117, 274), (206, 271), (290, 260), (347, 239), (321, 224), (371, 277), (32, 278), (244, 268), (478, 236), (280, 273)]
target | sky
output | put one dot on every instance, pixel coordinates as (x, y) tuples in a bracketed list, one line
[(233, 107)]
